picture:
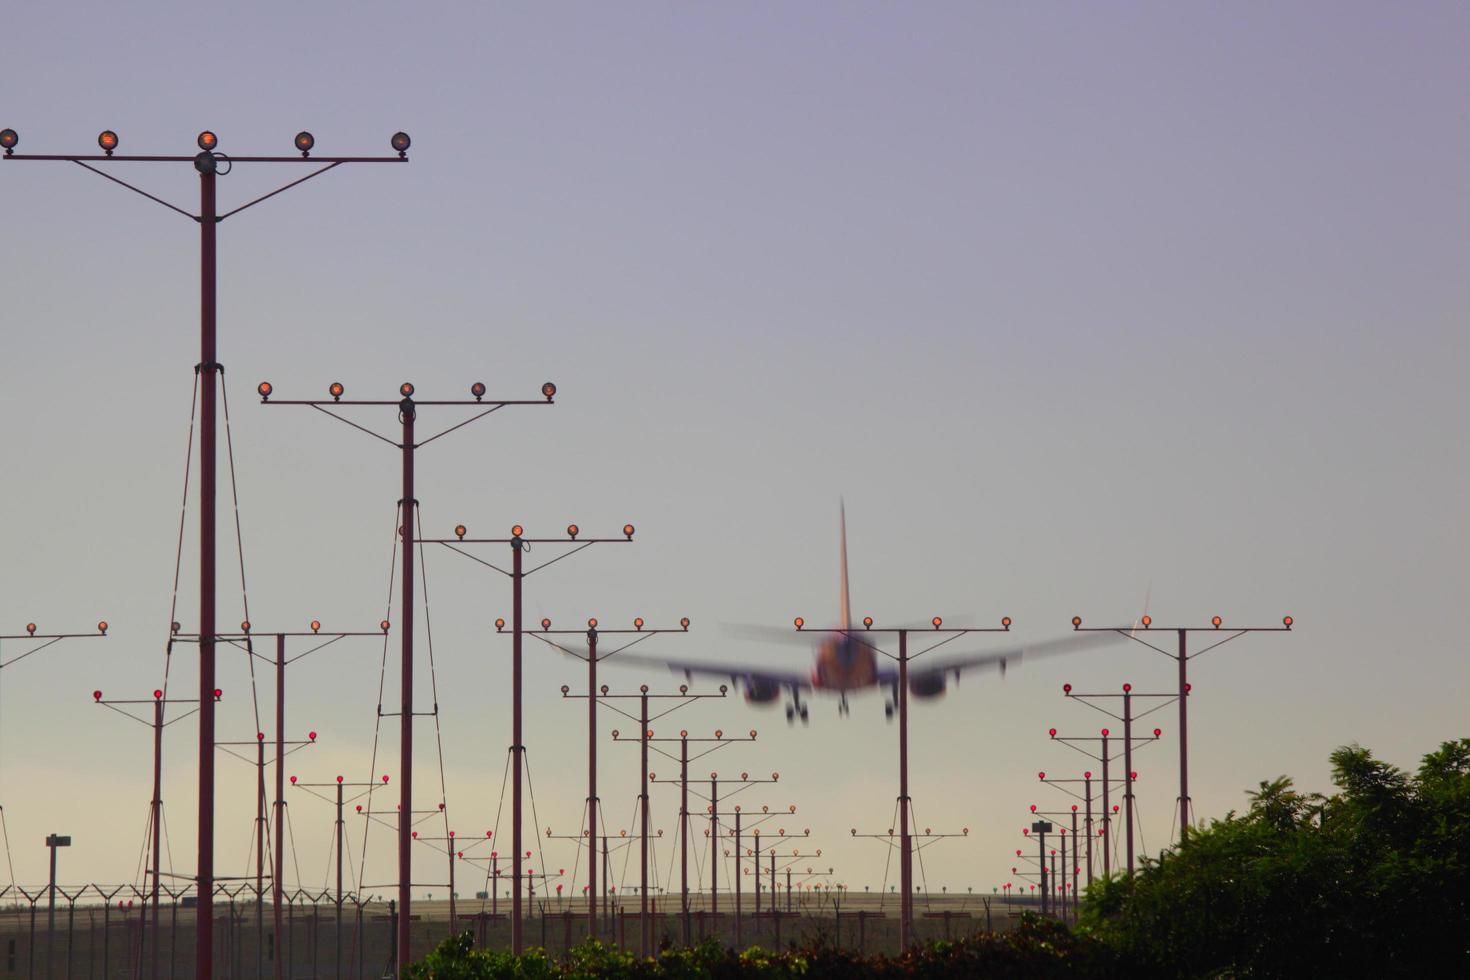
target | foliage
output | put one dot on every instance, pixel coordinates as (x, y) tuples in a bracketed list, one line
[(1037, 948), (1371, 880)]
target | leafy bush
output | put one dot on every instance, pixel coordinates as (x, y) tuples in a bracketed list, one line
[(1371, 880)]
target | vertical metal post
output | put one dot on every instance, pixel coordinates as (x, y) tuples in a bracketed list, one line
[(1107, 817), (906, 866), (1041, 861), (517, 938), (50, 909), (157, 818), (278, 887), (592, 783), (684, 833), (606, 908), (714, 847), (406, 413), (1128, 769), (209, 370), (644, 931), (1183, 735), (1087, 790), (261, 828), (453, 917), (341, 827), (1074, 863), (738, 923)]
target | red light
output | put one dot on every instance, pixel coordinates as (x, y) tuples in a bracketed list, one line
[(1087, 774), (406, 389), (207, 140), (684, 622), (1066, 688), (546, 624), (1033, 808), (628, 531), (335, 389), (1076, 621), (339, 779), (400, 142), (799, 622), (293, 780), (1286, 621), (217, 693), (1052, 732), (383, 626), (245, 626), (478, 390), (1158, 732), (572, 530), (385, 778), (1074, 808), (1104, 733), (516, 531), (96, 695), (311, 736), (1133, 775), (868, 622), (1188, 688), (548, 390), (1127, 688), (1147, 621), (937, 622), (316, 625), (157, 694), (1215, 622), (102, 626), (1042, 777), (359, 808), (1005, 621), (592, 623), (638, 623), (264, 389), (260, 736)]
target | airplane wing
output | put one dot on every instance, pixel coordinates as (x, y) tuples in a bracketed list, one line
[(953, 666), (759, 683)]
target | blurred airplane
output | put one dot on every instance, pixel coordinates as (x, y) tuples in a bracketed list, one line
[(844, 662)]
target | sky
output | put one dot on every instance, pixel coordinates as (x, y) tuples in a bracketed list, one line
[(1078, 307)]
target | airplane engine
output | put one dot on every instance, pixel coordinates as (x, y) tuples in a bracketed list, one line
[(929, 685), (761, 692)]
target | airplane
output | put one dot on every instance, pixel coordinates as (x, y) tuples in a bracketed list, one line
[(845, 663)]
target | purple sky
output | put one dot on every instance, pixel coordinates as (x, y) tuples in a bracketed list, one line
[(1074, 304)]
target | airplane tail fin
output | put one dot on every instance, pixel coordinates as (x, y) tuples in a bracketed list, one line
[(846, 611)]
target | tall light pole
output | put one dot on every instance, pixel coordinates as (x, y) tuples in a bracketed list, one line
[(901, 695), (1130, 775), (624, 638), (407, 444), (1181, 656), (645, 735), (209, 164), (461, 544)]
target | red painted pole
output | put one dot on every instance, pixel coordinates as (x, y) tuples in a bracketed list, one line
[(592, 783), (157, 817), (684, 833), (278, 887), (1107, 817), (714, 847), (1087, 789), (643, 922), (262, 827), (1075, 865), (906, 866), (209, 370), (1183, 735), (1128, 769), (406, 413), (738, 923), (517, 937), (1041, 860), (341, 827)]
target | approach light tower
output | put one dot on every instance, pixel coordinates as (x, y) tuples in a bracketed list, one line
[(1182, 656), (209, 164)]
